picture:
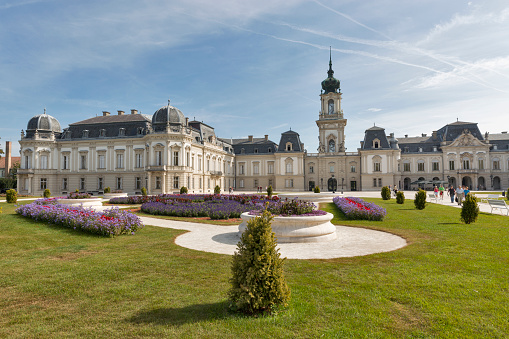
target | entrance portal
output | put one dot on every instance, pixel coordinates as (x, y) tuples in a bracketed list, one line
[(332, 184)]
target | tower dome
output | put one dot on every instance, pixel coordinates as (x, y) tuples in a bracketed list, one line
[(167, 115), (331, 84), (44, 123)]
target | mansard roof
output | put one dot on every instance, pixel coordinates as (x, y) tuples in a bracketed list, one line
[(253, 146), (373, 133), (108, 126), (292, 137), (451, 131)]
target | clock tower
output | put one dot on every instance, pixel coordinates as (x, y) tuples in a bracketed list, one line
[(331, 123)]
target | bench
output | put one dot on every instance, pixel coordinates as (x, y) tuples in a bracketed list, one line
[(500, 204), (432, 196), (490, 196)]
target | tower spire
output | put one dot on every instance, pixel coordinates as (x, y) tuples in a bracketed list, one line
[(330, 59)]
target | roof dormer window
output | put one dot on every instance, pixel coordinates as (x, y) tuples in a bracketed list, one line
[(289, 146), (121, 131), (85, 133)]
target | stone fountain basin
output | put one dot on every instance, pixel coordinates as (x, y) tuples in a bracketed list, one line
[(297, 229)]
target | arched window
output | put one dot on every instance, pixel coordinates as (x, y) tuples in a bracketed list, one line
[(332, 146), (330, 106)]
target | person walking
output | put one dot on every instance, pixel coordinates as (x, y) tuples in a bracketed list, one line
[(435, 191), (451, 192), (441, 190), (466, 191), (460, 194)]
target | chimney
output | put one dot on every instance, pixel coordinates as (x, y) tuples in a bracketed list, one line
[(134, 111), (423, 134), (8, 161), (406, 135), (391, 135), (120, 112), (187, 121), (435, 135), (250, 138), (266, 137), (105, 113)]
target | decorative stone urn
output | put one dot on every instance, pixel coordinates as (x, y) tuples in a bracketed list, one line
[(297, 229), (88, 202), (313, 197)]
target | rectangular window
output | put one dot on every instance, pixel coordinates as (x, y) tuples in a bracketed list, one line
[(481, 164), (241, 169), (175, 158), (137, 183), (64, 184), (83, 162), (331, 169), (270, 182), (208, 165), (466, 164), (100, 183), (420, 166), (27, 162), (379, 182), (352, 169), (65, 162), (119, 183), (44, 183), (289, 183), (451, 165), (199, 182), (159, 158), (139, 160), (256, 169), (241, 183), (82, 184), (289, 167), (270, 168), (187, 159), (44, 162), (435, 166), (101, 161), (255, 183), (158, 182), (311, 169), (496, 165), (376, 167), (120, 160), (208, 183), (175, 182), (406, 167), (374, 182), (199, 164), (192, 162)]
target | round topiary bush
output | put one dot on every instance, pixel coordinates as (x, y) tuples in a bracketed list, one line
[(269, 191), (386, 193), (400, 197), (470, 209), (47, 193), (144, 191), (420, 199), (316, 189), (258, 284), (107, 190), (11, 196), (217, 189), (183, 190)]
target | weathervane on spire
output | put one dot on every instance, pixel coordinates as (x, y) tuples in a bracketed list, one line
[(168, 101)]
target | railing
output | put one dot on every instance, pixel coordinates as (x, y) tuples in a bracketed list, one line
[(216, 173)]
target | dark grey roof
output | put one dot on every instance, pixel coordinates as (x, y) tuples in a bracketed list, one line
[(44, 123), (294, 138), (500, 140), (373, 133), (109, 127), (254, 146), (205, 131), (167, 115), (451, 131)]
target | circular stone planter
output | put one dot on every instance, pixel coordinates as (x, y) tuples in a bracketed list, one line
[(88, 202), (299, 228), (313, 197), (114, 195)]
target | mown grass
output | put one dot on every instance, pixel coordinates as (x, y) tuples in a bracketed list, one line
[(450, 281)]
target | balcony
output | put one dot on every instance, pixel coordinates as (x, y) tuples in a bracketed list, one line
[(216, 173), (468, 171)]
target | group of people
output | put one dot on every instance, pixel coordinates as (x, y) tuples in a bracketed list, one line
[(458, 194)]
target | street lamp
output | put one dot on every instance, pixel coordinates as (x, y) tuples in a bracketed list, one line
[(491, 178), (342, 183)]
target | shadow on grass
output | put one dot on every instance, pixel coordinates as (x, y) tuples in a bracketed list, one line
[(180, 316)]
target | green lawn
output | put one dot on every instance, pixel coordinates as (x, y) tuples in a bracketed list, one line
[(450, 281)]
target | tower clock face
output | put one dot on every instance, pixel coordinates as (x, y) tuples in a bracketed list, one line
[(331, 107)]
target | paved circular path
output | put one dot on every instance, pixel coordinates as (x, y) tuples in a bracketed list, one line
[(351, 241)]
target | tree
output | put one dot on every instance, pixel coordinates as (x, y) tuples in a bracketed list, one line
[(386, 193), (420, 199), (257, 282), (469, 210)]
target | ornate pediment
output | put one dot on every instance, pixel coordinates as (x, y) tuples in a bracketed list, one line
[(466, 139)]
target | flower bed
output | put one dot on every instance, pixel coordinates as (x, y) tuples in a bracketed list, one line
[(355, 208), (108, 223), (211, 209), (139, 199), (76, 195)]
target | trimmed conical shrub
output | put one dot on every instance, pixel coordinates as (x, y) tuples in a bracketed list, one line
[(400, 197), (386, 193), (258, 283), (470, 209), (47, 193), (420, 200)]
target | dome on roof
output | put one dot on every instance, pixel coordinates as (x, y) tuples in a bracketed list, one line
[(331, 84), (168, 114), (44, 123)]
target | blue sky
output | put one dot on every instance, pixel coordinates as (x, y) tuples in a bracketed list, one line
[(255, 67)]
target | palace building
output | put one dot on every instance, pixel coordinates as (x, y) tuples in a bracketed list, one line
[(165, 151)]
